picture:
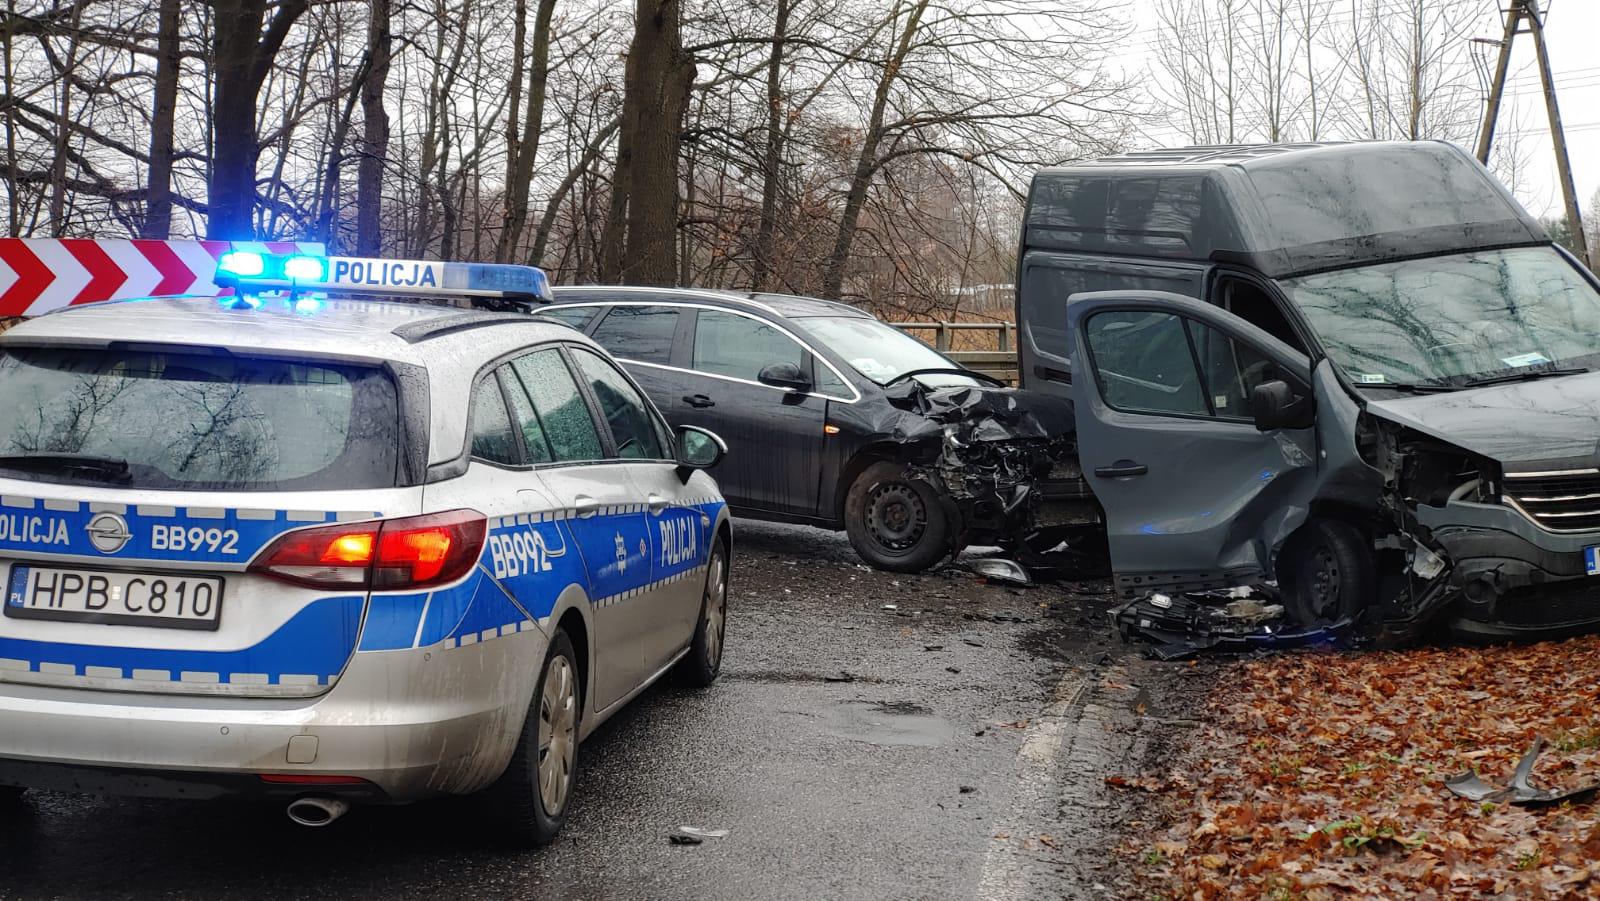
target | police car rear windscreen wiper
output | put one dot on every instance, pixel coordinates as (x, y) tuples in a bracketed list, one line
[(110, 469)]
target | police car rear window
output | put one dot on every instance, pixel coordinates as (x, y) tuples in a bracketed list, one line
[(195, 421)]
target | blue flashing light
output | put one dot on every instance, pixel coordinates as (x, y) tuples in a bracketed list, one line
[(309, 303), (305, 269), (250, 272), (242, 263)]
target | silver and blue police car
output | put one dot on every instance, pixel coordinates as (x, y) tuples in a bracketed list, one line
[(306, 545)]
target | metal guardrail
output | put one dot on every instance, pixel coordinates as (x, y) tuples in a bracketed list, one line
[(1001, 362), (943, 330)]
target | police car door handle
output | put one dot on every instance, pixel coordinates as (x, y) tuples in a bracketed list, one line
[(658, 504), (698, 401), (584, 506)]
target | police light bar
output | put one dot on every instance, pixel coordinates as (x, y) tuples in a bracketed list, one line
[(250, 272)]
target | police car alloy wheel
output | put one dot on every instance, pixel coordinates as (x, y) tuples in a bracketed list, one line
[(704, 660), (530, 800)]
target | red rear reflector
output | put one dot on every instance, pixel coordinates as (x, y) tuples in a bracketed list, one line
[(310, 779), (389, 555)]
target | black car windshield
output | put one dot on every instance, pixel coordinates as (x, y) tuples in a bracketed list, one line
[(195, 421), (1454, 319), (880, 351)]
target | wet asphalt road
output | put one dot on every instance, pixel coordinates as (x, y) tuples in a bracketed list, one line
[(952, 748)]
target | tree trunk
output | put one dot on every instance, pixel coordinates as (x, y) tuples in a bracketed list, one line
[(375, 133), (867, 162), (526, 150), (158, 199), (772, 160), (656, 93), (242, 55), (615, 231)]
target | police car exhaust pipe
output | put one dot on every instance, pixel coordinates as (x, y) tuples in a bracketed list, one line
[(314, 812)]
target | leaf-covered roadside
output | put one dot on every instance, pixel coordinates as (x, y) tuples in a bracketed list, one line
[(1323, 773)]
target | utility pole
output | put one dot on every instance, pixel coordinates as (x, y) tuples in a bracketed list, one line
[(1569, 192)]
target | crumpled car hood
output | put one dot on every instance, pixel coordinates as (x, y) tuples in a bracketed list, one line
[(982, 414), (1521, 422)]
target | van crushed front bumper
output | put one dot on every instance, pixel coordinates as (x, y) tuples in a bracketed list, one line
[(1508, 578)]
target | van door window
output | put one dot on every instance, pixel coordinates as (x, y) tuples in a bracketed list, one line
[(1144, 364), (1149, 362), (1231, 370)]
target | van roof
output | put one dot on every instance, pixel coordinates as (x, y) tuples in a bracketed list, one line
[(1284, 209)]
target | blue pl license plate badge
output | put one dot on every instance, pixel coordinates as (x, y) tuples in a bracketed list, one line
[(18, 585), (1591, 560)]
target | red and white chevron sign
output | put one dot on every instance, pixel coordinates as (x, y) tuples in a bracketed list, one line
[(38, 275)]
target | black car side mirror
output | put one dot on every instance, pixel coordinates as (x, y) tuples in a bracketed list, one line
[(1275, 406), (784, 375)]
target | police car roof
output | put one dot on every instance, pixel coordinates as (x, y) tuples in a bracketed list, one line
[(342, 328)]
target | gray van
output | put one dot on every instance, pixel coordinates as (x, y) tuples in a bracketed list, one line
[(1360, 370)]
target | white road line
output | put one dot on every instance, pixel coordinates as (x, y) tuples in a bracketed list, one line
[(1006, 866)]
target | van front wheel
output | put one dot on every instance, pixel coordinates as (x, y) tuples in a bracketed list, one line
[(895, 522), (1327, 573)]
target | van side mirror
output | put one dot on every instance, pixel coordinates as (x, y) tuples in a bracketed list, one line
[(699, 448), (784, 375), (1275, 405)]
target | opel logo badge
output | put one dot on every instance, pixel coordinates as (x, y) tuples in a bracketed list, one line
[(108, 532)]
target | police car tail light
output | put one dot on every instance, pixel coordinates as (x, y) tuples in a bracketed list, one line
[(428, 550), (388, 555)]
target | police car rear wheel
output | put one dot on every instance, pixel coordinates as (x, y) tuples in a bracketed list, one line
[(704, 660), (895, 523), (533, 794)]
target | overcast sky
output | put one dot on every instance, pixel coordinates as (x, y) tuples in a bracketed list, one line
[(1573, 33)]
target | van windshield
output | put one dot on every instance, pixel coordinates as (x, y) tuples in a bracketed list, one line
[(197, 421), (1450, 320)]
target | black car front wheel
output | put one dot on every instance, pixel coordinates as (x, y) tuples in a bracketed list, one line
[(896, 522)]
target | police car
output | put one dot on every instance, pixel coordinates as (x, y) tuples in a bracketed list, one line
[(316, 544)]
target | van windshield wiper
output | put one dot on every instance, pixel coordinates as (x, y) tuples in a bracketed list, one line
[(1526, 375), (111, 469)]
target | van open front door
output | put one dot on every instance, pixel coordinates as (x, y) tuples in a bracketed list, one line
[(1197, 489)]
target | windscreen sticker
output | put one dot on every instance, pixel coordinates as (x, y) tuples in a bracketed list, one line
[(1371, 378), (1529, 359)]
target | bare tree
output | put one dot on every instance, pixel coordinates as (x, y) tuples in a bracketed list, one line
[(244, 46)]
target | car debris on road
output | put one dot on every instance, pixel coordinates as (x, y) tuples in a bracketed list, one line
[(1521, 792)]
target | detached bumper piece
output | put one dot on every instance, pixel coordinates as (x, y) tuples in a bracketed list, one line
[(1228, 621)]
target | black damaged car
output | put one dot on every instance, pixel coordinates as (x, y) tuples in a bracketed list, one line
[(835, 419)]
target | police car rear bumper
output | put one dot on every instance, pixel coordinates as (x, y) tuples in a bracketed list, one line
[(408, 724)]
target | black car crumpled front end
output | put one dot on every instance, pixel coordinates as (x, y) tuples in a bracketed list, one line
[(988, 452)]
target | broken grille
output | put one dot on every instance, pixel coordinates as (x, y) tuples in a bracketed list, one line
[(1567, 501)]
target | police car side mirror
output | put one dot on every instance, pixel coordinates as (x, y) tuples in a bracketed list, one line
[(1276, 406), (699, 448), (784, 375)]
